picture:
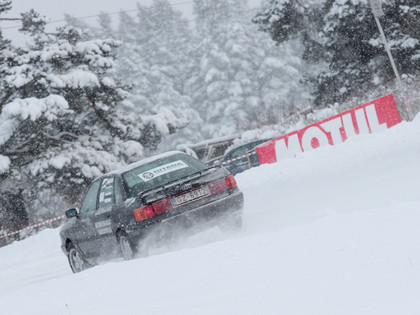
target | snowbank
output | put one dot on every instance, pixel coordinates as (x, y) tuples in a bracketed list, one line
[(334, 231)]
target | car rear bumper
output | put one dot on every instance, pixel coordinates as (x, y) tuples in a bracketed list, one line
[(196, 219)]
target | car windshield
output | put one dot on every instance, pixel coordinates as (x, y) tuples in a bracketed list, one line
[(160, 172)]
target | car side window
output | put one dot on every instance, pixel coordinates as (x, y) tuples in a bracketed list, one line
[(237, 153), (106, 192), (90, 201)]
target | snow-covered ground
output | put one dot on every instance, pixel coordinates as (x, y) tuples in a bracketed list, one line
[(334, 231)]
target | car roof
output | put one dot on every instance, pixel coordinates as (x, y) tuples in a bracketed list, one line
[(142, 162)]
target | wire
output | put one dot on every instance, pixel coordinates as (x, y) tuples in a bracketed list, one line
[(97, 15)]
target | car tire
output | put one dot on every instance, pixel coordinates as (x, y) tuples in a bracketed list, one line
[(126, 247), (231, 224), (76, 260)]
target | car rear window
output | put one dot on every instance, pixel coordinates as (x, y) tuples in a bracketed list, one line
[(160, 172)]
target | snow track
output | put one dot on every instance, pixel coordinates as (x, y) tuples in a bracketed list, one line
[(333, 231)]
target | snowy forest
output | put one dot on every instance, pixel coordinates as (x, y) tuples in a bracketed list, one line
[(84, 99)]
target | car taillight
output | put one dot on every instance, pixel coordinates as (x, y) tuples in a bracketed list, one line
[(162, 206), (143, 213), (231, 182)]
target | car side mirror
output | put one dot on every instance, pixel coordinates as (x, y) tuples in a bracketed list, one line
[(71, 213)]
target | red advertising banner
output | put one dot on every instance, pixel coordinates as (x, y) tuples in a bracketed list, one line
[(371, 117)]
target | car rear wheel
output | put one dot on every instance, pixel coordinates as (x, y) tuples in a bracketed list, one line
[(127, 250), (76, 261)]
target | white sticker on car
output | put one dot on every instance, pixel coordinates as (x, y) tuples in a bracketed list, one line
[(106, 230), (163, 169), (105, 196), (103, 227), (102, 224)]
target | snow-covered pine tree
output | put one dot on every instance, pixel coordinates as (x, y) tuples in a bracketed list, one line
[(287, 20), (154, 54), (241, 75), (348, 28), (350, 41), (12, 214), (7, 53), (152, 57), (358, 61), (60, 126), (402, 26)]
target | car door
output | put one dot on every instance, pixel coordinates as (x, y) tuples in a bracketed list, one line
[(102, 219), (85, 232)]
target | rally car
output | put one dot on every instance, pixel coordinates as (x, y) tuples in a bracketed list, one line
[(149, 200)]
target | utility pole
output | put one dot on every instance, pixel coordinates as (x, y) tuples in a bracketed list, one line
[(377, 11)]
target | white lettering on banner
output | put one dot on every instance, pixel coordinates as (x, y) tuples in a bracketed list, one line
[(348, 125), (313, 133), (333, 127), (319, 135), (163, 169), (372, 117), (290, 150), (361, 121)]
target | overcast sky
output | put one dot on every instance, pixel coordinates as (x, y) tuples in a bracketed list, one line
[(55, 9)]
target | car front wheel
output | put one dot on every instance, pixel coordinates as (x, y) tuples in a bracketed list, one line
[(76, 261)]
